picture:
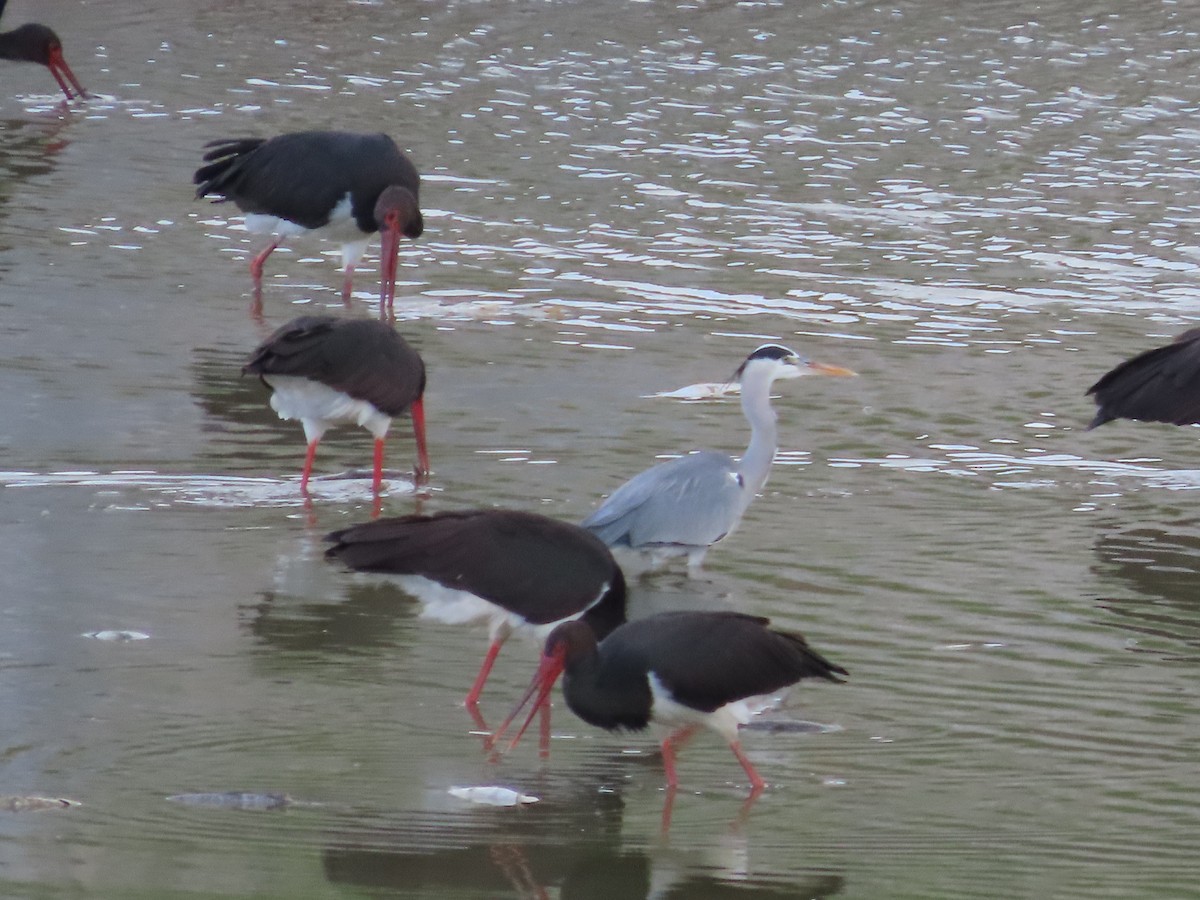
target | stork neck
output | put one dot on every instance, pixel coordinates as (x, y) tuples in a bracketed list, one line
[(756, 406), (12, 46), (609, 612)]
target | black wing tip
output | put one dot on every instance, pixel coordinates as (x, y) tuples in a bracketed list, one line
[(833, 672), (339, 543)]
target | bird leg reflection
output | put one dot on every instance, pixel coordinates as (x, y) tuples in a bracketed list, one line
[(664, 828), (510, 859), (738, 823), (544, 730), (256, 305), (744, 813), (310, 511)]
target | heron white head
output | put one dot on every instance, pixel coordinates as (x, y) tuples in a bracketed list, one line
[(775, 361)]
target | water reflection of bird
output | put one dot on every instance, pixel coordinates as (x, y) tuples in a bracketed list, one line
[(579, 872), (571, 847), (514, 571), (681, 670), (323, 370), (685, 505), (1158, 385), (337, 184), (28, 149), (36, 43), (365, 618), (1161, 563)]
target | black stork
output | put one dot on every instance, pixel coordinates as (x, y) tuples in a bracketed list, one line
[(682, 670), (341, 185), (323, 370), (37, 43), (515, 571), (1159, 385)]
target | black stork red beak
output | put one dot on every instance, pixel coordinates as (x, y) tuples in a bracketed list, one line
[(62, 72), (552, 664), (398, 215)]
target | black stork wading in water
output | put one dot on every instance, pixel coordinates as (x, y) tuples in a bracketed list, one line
[(36, 43), (1159, 385), (324, 370), (337, 184), (679, 670), (513, 571)]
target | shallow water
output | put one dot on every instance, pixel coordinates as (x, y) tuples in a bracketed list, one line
[(980, 210)]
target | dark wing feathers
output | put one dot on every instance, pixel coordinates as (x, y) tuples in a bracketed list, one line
[(1160, 385), (539, 568), (302, 176), (744, 658), (364, 358), (215, 177)]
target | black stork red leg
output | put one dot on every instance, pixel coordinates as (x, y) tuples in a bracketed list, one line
[(337, 184), (323, 370), (513, 571), (37, 43), (675, 741), (681, 670), (256, 275)]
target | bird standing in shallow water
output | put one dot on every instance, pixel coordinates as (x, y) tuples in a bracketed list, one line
[(680, 670), (37, 43), (323, 370), (337, 184), (1159, 385), (514, 571), (685, 505)]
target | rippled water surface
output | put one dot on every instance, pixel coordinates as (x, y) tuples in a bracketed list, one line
[(978, 207)]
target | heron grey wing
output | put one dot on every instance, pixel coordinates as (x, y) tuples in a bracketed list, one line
[(693, 501)]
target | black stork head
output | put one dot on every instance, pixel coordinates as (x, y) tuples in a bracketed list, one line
[(566, 645), (39, 44), (396, 214)]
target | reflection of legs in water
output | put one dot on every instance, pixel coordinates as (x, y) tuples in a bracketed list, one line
[(735, 826), (544, 733), (744, 813), (510, 859), (664, 828)]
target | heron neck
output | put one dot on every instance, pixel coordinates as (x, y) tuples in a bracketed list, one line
[(756, 406)]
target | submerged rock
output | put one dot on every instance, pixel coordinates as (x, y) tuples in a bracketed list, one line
[(233, 800), (30, 804)]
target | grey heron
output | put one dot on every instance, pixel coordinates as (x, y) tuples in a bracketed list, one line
[(685, 505)]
